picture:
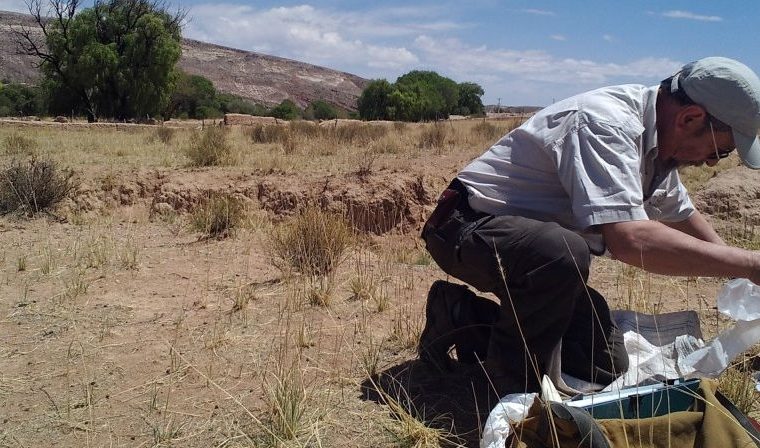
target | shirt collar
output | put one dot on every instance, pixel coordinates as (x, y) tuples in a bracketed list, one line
[(649, 118)]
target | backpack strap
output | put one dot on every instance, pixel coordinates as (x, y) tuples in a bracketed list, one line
[(740, 417), (590, 433)]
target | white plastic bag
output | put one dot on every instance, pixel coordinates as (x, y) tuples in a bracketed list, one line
[(739, 299)]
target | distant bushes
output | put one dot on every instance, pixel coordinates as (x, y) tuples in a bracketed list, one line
[(419, 95), (196, 97), (18, 100), (193, 96)]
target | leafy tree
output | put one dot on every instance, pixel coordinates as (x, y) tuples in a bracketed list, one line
[(375, 100), (20, 100), (115, 59), (469, 99), (194, 97), (419, 95), (229, 103), (286, 110), (436, 96), (320, 110)]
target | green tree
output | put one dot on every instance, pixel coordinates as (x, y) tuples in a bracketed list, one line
[(116, 59), (418, 95), (469, 99), (437, 96), (321, 110), (193, 97), (286, 110), (375, 100), (229, 103), (21, 100)]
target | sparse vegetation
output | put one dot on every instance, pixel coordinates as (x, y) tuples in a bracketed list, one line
[(739, 387), (313, 243), (433, 136), (18, 144), (164, 134), (210, 147), (34, 185), (218, 216), (291, 333), (271, 133)]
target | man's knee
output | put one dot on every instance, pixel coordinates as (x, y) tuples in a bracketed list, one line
[(563, 250)]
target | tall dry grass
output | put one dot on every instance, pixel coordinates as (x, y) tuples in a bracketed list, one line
[(313, 243)]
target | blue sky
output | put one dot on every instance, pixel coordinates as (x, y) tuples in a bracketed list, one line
[(521, 52)]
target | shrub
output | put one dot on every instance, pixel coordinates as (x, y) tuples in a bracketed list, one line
[(32, 186), (321, 110), (486, 130), (286, 110), (304, 128), (164, 134), (209, 147), (268, 133), (218, 216), (357, 133), (433, 136), (16, 144), (313, 243)]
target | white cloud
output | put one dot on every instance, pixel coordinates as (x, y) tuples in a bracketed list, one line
[(609, 37), (346, 41), (688, 15), (558, 37), (387, 43), (468, 62), (538, 12)]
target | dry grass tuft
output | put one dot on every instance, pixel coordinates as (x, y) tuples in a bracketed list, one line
[(407, 431), (18, 144), (218, 216), (486, 130), (313, 243), (739, 387), (29, 187), (287, 404), (433, 136), (210, 147), (272, 133), (163, 135)]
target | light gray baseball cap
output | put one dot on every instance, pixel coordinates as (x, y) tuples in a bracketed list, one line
[(730, 92)]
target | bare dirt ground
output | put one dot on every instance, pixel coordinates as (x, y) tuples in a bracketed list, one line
[(121, 326)]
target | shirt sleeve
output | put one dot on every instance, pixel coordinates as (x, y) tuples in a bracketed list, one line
[(670, 201), (599, 167)]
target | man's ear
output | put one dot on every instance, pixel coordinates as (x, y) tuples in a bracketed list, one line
[(691, 118)]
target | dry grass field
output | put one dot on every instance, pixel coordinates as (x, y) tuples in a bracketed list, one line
[(252, 286)]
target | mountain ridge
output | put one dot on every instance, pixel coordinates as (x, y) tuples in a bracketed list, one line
[(257, 77)]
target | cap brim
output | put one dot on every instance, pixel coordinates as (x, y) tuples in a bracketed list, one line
[(748, 148)]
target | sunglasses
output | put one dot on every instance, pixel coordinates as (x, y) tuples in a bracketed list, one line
[(719, 154)]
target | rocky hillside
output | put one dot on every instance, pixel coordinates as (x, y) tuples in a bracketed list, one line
[(257, 77)]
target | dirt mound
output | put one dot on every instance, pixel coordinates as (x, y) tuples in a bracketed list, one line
[(379, 203), (734, 194)]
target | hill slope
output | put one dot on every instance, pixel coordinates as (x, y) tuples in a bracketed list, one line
[(257, 77)]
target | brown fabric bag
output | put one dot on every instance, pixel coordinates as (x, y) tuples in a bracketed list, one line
[(709, 424)]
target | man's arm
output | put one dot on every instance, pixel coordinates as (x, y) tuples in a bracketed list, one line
[(697, 226), (660, 249)]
